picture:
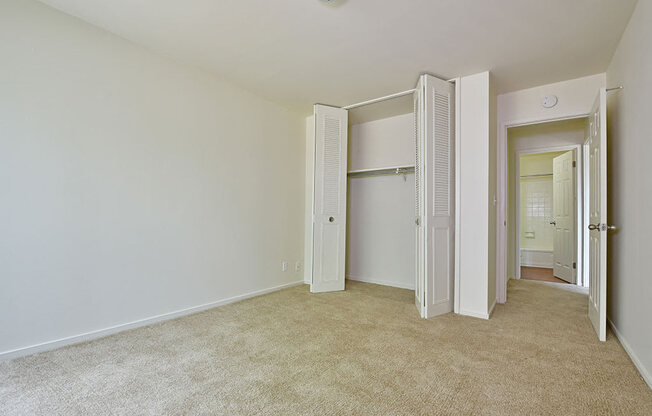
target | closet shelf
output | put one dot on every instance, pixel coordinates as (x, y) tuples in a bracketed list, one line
[(393, 170), (539, 175)]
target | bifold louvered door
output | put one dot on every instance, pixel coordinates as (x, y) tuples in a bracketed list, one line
[(329, 199), (419, 245), (435, 197)]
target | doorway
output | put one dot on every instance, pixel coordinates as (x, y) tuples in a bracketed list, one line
[(544, 201), (547, 212)]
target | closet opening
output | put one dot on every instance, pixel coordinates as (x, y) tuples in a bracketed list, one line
[(380, 242), (383, 195)]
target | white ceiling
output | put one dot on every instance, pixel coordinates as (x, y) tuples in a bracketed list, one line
[(298, 52)]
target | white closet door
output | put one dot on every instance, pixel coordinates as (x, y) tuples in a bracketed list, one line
[(419, 258), (597, 189), (436, 165), (329, 200), (563, 214)]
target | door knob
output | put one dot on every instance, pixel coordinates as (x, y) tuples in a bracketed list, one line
[(553, 222), (602, 227), (331, 219)]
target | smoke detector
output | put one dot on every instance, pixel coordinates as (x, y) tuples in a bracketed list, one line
[(549, 101)]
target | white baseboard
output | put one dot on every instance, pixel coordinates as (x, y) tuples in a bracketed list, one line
[(474, 314), (537, 258), (491, 309), (632, 355), (569, 287), (391, 283), (75, 339), (481, 315)]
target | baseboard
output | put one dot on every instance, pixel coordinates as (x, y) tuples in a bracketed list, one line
[(632, 355), (87, 336), (539, 265), (381, 282), (569, 287), (474, 314), (537, 258), (491, 309)]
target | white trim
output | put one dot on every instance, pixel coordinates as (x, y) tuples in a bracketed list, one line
[(503, 184), (474, 314), (628, 349), (87, 336), (501, 252), (585, 214), (458, 193), (537, 258), (381, 282), (563, 286)]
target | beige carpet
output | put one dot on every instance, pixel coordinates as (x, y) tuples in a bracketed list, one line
[(363, 351)]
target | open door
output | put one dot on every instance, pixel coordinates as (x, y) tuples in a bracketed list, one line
[(563, 211), (329, 199), (597, 191), (434, 182)]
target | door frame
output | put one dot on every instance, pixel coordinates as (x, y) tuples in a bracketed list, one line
[(585, 255), (502, 185), (579, 206)]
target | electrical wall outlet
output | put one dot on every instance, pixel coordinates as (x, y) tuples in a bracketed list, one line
[(298, 266), (284, 266)]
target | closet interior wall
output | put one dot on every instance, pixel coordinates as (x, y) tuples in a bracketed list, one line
[(381, 208)]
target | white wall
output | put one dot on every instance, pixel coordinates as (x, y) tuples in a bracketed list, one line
[(575, 98), (475, 199), (380, 209), (629, 286), (536, 203), (383, 143), (132, 186), (380, 234), (536, 213)]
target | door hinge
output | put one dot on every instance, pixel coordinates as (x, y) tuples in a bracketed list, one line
[(574, 265), (574, 164)]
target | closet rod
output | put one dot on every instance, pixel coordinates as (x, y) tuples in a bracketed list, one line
[(377, 172), (537, 175), (377, 100)]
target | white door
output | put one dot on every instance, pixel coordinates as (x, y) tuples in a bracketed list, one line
[(597, 189), (563, 213), (329, 199), (435, 187)]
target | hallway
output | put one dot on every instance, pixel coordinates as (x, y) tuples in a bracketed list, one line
[(541, 274)]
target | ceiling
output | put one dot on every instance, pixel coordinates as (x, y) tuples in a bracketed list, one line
[(298, 52)]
